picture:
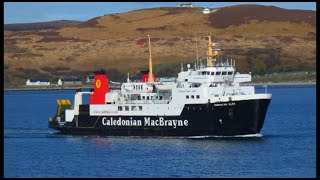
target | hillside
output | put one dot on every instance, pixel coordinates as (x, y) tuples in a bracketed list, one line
[(261, 39), (39, 25)]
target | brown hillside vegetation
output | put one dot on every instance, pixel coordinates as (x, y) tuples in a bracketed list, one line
[(260, 43), (39, 25), (240, 14)]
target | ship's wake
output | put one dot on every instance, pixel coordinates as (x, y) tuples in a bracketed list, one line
[(234, 136), (30, 133)]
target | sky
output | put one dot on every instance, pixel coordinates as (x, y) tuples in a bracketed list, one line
[(27, 12)]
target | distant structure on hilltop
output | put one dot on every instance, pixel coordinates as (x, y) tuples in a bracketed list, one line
[(185, 4), (206, 11)]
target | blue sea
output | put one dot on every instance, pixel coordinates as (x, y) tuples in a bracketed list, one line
[(286, 146)]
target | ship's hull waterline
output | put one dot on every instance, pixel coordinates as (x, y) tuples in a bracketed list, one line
[(225, 119)]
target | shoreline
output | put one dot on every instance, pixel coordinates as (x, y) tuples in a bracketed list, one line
[(283, 83), (42, 88), (47, 88)]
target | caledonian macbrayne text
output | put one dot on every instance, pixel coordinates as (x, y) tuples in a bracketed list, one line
[(146, 122)]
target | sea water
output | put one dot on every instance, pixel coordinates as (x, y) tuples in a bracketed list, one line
[(286, 146)]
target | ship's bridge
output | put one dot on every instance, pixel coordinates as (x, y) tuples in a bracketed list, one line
[(137, 87), (209, 74)]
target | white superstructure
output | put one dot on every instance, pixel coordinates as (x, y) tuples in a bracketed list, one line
[(197, 85)]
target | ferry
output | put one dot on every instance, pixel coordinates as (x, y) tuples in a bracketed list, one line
[(206, 100)]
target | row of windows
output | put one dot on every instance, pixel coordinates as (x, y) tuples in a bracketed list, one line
[(149, 97), (126, 108), (137, 87), (192, 96), (217, 73)]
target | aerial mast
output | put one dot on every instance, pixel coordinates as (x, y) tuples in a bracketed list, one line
[(210, 54), (209, 58)]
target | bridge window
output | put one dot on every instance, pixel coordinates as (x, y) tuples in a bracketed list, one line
[(134, 108), (139, 97), (208, 73), (192, 96), (119, 108), (212, 73), (160, 97), (198, 96), (203, 73), (196, 85), (230, 73), (187, 96), (147, 97), (224, 72), (218, 73), (126, 108), (140, 108)]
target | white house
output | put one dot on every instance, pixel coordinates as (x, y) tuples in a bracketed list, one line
[(38, 82), (69, 81), (90, 78), (206, 11)]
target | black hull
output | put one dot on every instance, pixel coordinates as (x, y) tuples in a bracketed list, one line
[(226, 119)]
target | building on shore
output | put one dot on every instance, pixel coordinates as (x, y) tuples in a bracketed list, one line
[(69, 81), (90, 78), (38, 82)]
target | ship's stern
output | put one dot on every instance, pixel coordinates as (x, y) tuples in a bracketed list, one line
[(57, 121)]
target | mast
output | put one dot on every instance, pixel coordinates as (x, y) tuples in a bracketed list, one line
[(210, 54), (197, 48), (209, 58), (150, 77), (128, 78)]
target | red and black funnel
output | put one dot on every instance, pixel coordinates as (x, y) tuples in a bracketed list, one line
[(101, 87)]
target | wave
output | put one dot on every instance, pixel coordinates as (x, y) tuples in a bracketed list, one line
[(233, 136), (45, 133), (30, 133)]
